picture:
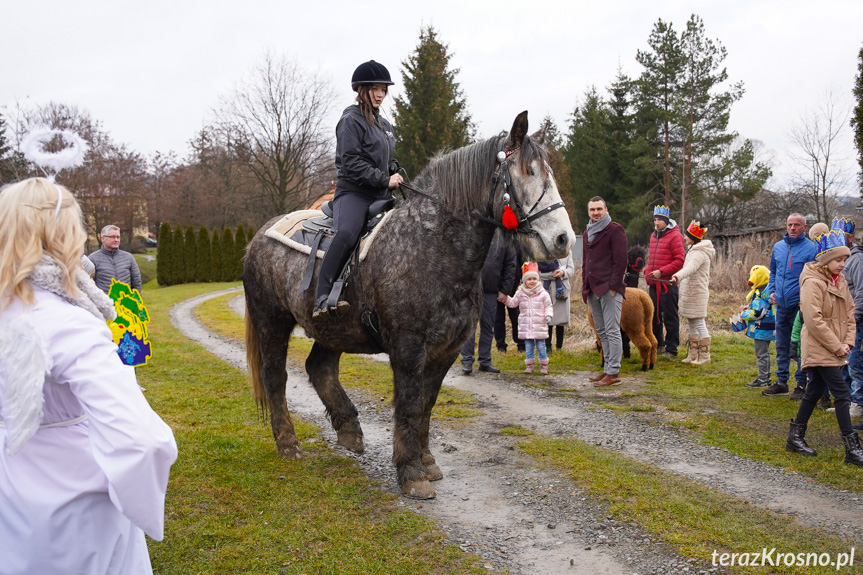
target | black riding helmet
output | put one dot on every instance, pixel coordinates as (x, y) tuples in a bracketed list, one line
[(369, 73)]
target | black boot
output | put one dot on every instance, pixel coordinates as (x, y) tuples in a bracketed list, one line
[(853, 451), (795, 441)]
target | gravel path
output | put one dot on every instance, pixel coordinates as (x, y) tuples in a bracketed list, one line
[(495, 503)]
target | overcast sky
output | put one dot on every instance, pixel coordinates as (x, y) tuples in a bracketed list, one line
[(152, 72)]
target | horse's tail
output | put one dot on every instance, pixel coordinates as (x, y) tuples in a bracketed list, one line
[(253, 363)]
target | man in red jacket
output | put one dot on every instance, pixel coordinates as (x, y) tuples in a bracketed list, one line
[(664, 259), (603, 265)]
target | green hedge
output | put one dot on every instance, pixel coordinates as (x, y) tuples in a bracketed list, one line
[(195, 256)]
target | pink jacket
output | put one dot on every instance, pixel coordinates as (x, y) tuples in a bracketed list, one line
[(533, 306)]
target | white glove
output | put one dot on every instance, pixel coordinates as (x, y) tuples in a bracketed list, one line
[(548, 319)]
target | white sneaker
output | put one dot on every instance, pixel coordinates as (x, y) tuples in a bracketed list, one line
[(855, 410)]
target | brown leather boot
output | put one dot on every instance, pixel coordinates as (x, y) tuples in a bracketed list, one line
[(693, 349), (703, 352)]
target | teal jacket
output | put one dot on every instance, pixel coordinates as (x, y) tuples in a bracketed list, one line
[(760, 318)]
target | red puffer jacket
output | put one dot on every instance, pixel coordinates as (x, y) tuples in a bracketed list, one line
[(666, 253)]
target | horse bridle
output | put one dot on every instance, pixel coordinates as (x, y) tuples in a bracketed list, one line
[(523, 218)]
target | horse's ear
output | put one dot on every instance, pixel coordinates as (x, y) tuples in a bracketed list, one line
[(518, 131), (539, 135)]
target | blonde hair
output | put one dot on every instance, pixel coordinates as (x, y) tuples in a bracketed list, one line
[(29, 228)]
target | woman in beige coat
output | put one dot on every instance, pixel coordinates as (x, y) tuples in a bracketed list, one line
[(694, 280), (826, 338)]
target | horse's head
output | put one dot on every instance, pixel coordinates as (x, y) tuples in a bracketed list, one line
[(543, 226)]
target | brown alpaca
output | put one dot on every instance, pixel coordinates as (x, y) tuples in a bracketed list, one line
[(635, 318)]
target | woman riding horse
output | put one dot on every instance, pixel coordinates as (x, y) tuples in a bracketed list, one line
[(364, 158)]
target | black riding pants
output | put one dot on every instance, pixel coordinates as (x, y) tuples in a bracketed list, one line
[(350, 211)]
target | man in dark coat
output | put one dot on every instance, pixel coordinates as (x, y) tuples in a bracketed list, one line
[(498, 275), (603, 265), (665, 258), (512, 312)]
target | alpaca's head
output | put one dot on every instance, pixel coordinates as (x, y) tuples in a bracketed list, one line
[(635, 259)]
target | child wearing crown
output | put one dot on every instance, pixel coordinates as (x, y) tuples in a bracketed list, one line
[(827, 336), (694, 281), (853, 273), (534, 313), (760, 319)]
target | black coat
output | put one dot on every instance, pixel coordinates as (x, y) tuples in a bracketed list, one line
[(363, 152), (500, 267)]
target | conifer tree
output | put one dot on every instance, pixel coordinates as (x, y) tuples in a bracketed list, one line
[(251, 233), (239, 251), (857, 118), (202, 265), (227, 255), (431, 114), (178, 256), (191, 259), (164, 259), (216, 257)]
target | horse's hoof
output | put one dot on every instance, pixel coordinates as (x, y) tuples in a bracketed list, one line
[(293, 453), (420, 489), (643, 368), (651, 366), (351, 441), (433, 471)]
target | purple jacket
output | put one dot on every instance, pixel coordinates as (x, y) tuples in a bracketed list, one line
[(532, 311), (603, 262)]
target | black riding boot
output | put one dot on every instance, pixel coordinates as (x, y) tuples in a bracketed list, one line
[(853, 451), (795, 441)]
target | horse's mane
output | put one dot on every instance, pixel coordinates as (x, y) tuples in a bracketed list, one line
[(462, 178)]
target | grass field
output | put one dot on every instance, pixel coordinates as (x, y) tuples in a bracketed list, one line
[(234, 506)]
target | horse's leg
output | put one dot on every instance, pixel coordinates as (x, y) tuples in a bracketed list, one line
[(274, 350), (410, 407), (322, 365), (432, 380)]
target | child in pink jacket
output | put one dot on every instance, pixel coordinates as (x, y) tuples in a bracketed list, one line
[(535, 311)]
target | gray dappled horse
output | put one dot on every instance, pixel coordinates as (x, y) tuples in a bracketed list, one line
[(422, 279)]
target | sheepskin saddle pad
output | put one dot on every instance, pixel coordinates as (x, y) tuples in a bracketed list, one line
[(308, 230)]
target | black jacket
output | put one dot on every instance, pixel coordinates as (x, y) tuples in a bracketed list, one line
[(500, 267), (363, 152)]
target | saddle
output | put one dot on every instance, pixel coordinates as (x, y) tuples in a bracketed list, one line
[(311, 232)]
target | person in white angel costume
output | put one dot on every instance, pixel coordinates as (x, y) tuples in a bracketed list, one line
[(84, 460)]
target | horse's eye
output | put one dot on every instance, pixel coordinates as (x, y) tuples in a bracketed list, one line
[(529, 171)]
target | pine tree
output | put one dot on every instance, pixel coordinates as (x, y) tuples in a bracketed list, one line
[(239, 251), (191, 258), (857, 117), (164, 259), (178, 256), (251, 233), (704, 110), (586, 155), (227, 256), (202, 267), (657, 90), (432, 114), (216, 257)]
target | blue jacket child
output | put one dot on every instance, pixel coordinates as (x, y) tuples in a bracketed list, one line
[(760, 319)]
